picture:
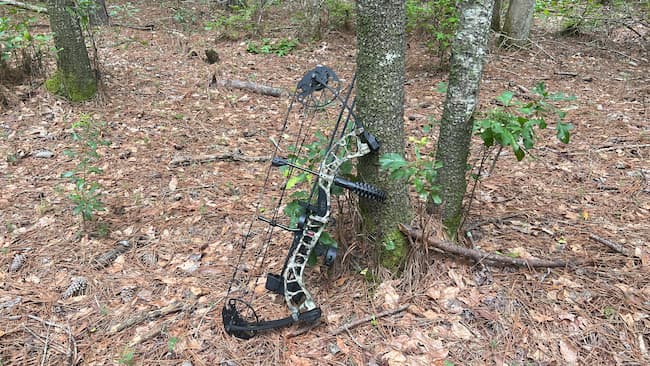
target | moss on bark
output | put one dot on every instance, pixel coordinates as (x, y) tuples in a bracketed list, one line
[(70, 88), (74, 78), (394, 250)]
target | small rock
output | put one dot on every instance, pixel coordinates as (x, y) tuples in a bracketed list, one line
[(333, 348), (43, 154)]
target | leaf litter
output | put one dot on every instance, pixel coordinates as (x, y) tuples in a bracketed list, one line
[(70, 293)]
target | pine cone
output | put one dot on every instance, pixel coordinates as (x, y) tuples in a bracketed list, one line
[(107, 258), (17, 262), (77, 287)]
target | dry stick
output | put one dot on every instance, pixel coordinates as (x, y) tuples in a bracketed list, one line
[(610, 148), (151, 333), (171, 308), (22, 5), (148, 27), (233, 156), (369, 318), (53, 345), (247, 85), (71, 354), (612, 245), (479, 255)]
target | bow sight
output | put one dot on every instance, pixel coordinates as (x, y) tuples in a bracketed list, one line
[(317, 89)]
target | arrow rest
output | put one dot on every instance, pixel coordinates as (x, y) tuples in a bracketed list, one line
[(317, 89)]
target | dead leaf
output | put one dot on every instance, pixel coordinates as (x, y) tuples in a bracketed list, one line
[(387, 295), (540, 318), (642, 346), (569, 352), (628, 319), (342, 346), (173, 183), (461, 331), (566, 316), (394, 358), (644, 254), (299, 361), (458, 279)]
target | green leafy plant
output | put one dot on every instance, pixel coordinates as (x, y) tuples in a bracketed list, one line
[(235, 23), (126, 10), (280, 47), (171, 343), (421, 173), (127, 357), (513, 124), (86, 196), (578, 16), (340, 13), (19, 47), (434, 20)]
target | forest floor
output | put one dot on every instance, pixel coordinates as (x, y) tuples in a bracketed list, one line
[(183, 222)]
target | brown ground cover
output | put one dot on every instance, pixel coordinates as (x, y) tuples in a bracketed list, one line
[(183, 221)]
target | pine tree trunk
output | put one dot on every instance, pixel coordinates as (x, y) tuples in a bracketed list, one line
[(74, 78), (98, 14), (516, 28), (381, 49), (496, 16), (312, 29), (469, 48)]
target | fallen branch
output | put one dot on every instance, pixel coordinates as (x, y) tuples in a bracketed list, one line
[(612, 245), (18, 4), (202, 159), (149, 334), (148, 27), (247, 85), (171, 308), (612, 148), (482, 256), (369, 318)]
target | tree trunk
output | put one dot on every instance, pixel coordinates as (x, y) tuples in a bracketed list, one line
[(381, 49), (312, 28), (468, 48), (97, 13), (496, 16), (74, 78), (516, 28)]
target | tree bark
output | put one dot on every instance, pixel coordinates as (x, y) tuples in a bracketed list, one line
[(381, 48), (97, 14), (312, 19), (516, 28), (468, 48), (74, 78), (496, 16)]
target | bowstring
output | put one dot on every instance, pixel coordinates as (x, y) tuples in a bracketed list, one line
[(258, 204), (262, 252), (344, 106)]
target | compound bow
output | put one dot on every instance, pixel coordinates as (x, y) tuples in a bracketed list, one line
[(349, 140)]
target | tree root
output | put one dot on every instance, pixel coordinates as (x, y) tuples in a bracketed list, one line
[(482, 256)]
